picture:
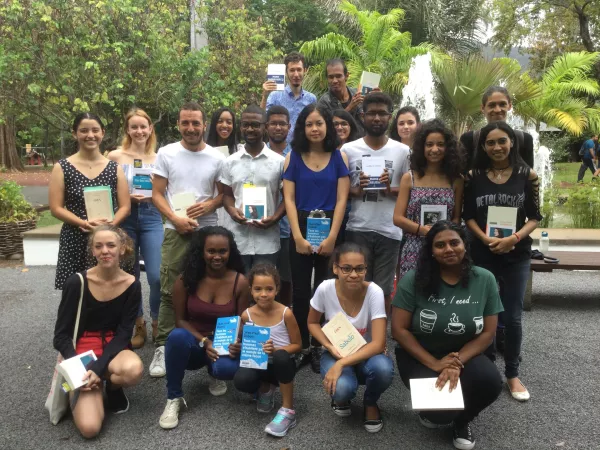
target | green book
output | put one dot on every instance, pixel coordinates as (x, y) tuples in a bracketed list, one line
[(98, 202)]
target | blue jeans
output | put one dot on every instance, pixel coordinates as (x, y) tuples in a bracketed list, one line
[(376, 373), (144, 226), (182, 353)]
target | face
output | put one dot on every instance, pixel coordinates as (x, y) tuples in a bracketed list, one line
[(496, 233), (295, 73), (216, 252), (342, 128), (89, 135), (351, 269), (448, 248), (253, 127), (138, 129), (107, 249), (336, 79), (407, 127), (264, 290), (251, 209), (496, 107), (377, 119), (278, 128), (315, 127), (191, 126), (225, 125), (497, 145), (435, 147)]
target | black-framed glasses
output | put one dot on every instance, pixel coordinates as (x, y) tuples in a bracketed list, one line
[(255, 125), (347, 270), (278, 124), (340, 124)]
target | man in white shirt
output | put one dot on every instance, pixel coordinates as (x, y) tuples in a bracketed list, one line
[(254, 170), (370, 223), (189, 166)]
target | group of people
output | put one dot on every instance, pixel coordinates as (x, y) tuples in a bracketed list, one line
[(459, 292)]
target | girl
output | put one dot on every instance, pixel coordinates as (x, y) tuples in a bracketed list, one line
[(144, 224), (345, 127), (111, 299), (501, 178), (69, 176), (321, 174), (405, 125), (363, 305), (435, 179), (212, 285), (283, 343), (222, 131)]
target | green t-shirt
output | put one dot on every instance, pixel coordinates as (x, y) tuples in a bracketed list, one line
[(446, 322)]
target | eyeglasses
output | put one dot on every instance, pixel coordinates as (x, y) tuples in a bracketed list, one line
[(277, 124), (340, 124), (373, 114), (255, 125), (347, 270)]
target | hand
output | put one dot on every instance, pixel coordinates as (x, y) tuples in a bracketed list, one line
[(93, 381), (333, 351), (237, 215), (451, 375), (357, 99), (451, 360), (303, 247), (504, 245), (137, 198), (265, 223), (385, 178), (331, 378), (424, 230), (364, 180), (200, 209), (183, 225), (269, 86), (268, 347), (235, 349), (326, 247), (91, 224), (210, 350)]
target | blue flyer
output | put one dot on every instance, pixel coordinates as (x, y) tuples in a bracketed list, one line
[(317, 230), (253, 356), (226, 333)]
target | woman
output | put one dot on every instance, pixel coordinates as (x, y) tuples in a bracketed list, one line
[(144, 224), (442, 332), (212, 285), (363, 304), (111, 299), (86, 168), (434, 181), (222, 131), (405, 125), (321, 173), (500, 178)]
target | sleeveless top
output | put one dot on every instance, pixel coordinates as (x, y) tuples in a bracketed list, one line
[(279, 332)]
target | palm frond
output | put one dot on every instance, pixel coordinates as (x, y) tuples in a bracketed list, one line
[(331, 45)]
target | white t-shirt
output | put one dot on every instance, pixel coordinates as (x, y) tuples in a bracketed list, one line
[(327, 302), (186, 171), (373, 211)]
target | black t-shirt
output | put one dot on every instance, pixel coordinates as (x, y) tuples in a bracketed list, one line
[(525, 150)]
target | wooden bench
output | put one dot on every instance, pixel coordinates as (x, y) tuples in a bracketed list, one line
[(567, 261)]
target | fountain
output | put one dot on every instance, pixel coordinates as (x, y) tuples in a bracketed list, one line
[(420, 89)]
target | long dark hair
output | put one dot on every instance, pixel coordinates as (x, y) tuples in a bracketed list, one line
[(300, 142), (86, 115), (483, 161), (194, 266), (453, 162), (394, 125), (213, 136), (354, 131), (427, 277)]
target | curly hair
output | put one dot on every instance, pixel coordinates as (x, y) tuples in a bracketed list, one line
[(264, 269), (213, 137), (453, 162), (300, 143), (123, 238), (194, 265), (482, 160), (394, 125), (427, 276)]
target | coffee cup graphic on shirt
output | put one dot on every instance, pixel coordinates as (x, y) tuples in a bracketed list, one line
[(454, 326), (428, 318), (478, 324)]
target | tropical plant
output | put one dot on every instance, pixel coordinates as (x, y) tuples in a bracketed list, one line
[(583, 207), (13, 206)]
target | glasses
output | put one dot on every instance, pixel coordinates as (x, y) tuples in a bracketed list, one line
[(373, 114), (278, 124), (347, 270), (341, 124), (255, 125)]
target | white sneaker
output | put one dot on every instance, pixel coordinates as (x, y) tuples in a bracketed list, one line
[(157, 366), (170, 416), (217, 387)]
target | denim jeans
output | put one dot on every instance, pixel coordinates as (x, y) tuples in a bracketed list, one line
[(586, 163), (376, 373), (182, 353), (144, 226)]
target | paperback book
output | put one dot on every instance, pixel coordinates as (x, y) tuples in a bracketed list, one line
[(226, 333), (317, 230), (98, 202), (426, 397), (74, 369), (276, 73), (223, 149), (253, 356), (343, 335), (254, 201), (373, 167), (430, 214), (142, 182), (501, 221), (368, 82), (181, 202)]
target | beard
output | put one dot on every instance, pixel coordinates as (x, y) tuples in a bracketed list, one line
[(377, 132)]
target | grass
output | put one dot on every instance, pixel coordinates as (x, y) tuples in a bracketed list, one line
[(46, 219)]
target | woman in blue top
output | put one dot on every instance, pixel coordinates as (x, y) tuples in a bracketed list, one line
[(321, 172)]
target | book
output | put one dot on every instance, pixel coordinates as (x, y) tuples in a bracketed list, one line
[(373, 167), (317, 230), (142, 182), (276, 73), (430, 214), (223, 149), (181, 202), (73, 370), (426, 397), (368, 82), (226, 333), (501, 221), (254, 202), (343, 335), (98, 202), (253, 356)]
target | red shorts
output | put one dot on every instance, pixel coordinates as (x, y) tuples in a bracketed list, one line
[(93, 340)]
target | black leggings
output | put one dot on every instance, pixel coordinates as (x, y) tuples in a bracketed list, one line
[(480, 381), (281, 370)]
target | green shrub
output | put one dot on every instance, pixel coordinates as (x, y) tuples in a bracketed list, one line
[(583, 207), (13, 206)]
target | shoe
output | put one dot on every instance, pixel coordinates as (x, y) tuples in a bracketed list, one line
[(315, 359), (157, 366), (373, 425), (117, 401), (519, 396), (170, 416), (463, 437), (265, 401), (154, 330), (139, 335), (342, 411), (302, 359), (281, 423), (217, 387), (429, 424)]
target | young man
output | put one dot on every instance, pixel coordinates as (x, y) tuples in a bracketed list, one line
[(370, 223), (256, 235), (187, 166), (293, 97), (588, 154)]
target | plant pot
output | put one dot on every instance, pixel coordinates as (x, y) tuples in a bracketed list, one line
[(11, 236)]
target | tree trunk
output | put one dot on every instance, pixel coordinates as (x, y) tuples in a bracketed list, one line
[(584, 33), (9, 157)]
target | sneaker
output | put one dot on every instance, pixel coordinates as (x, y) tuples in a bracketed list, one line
[(139, 335), (281, 423), (302, 359), (429, 424), (117, 401), (342, 411), (463, 437), (315, 359), (157, 366), (265, 401), (217, 387), (373, 425), (170, 416)]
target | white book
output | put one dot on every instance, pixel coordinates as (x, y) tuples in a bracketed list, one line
[(343, 335), (276, 73), (254, 202), (501, 221), (142, 182), (223, 149), (368, 82), (425, 396), (430, 214), (181, 202), (373, 167), (74, 369), (98, 202)]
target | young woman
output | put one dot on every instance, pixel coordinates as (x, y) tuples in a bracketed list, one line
[(86, 168), (500, 178), (321, 173), (111, 299), (283, 343), (405, 125), (442, 332), (434, 180), (363, 305), (144, 224), (345, 126), (212, 285), (222, 130)]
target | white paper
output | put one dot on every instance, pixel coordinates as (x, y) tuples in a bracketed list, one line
[(501, 221), (223, 149), (276, 72), (254, 202), (430, 214), (425, 396), (369, 81), (373, 167), (181, 202)]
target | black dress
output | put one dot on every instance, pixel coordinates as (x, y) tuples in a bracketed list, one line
[(72, 246)]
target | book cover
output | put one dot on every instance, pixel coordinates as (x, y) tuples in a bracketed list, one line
[(181, 202), (226, 333), (73, 370), (430, 214), (343, 335), (98, 202), (276, 73), (426, 397), (253, 355), (501, 221), (223, 149), (142, 182), (254, 201), (373, 167), (317, 230), (368, 82)]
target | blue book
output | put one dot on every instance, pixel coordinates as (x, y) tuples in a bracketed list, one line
[(226, 333), (253, 355), (317, 230)]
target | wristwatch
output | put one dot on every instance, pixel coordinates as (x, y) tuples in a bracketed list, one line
[(201, 344)]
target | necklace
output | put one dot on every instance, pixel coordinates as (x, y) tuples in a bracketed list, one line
[(499, 172)]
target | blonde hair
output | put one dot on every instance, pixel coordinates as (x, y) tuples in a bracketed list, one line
[(124, 238), (150, 143)]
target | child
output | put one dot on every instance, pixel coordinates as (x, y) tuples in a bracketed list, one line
[(283, 343)]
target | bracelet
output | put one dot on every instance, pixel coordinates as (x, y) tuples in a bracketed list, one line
[(418, 228), (517, 236)]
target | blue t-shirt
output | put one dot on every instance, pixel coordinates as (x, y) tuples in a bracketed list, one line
[(587, 146)]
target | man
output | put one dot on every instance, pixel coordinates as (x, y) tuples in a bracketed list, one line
[(588, 154), (293, 97), (278, 127), (255, 166), (340, 96), (371, 217), (187, 166)]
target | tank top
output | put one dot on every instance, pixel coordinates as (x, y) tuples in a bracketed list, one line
[(279, 332), (128, 171)]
